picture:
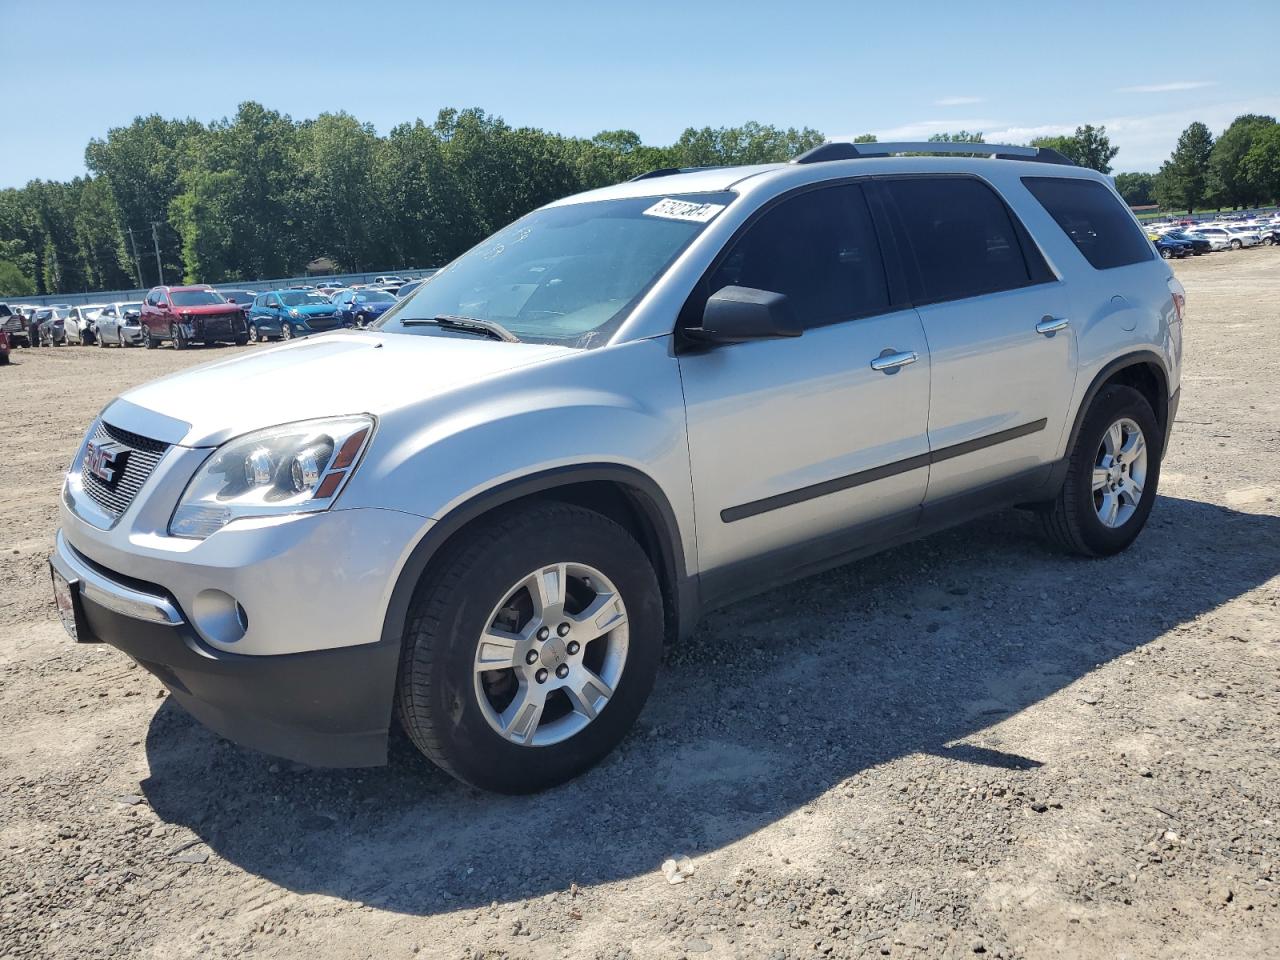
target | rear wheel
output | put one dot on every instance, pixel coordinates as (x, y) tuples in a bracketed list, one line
[(1112, 476), (1236, 245), (254, 335), (532, 644)]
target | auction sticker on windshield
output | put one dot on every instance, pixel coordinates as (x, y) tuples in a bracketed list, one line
[(670, 209)]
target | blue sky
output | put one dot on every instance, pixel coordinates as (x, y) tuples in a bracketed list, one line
[(901, 70)]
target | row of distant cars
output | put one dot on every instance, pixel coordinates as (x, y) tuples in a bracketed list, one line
[(1184, 238), (184, 316)]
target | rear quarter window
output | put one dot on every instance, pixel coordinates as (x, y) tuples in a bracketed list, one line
[(1094, 220)]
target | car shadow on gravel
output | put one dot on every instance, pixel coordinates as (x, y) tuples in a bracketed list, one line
[(773, 702)]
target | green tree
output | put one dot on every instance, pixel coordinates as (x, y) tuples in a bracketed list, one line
[(141, 165), (1183, 181), (341, 203), (13, 282), (1262, 163), (1230, 181), (959, 136), (750, 143), (1089, 147), (1137, 189)]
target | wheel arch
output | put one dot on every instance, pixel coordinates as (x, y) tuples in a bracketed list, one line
[(625, 495), (1142, 370)]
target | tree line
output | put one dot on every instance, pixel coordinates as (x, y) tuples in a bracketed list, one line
[(262, 195)]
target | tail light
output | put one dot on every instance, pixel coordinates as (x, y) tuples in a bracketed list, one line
[(1179, 294)]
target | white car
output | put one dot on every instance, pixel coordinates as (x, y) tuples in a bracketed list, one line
[(485, 514), (1243, 236), (120, 324), (1218, 238), (78, 327)]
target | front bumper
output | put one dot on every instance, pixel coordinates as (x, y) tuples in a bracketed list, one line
[(324, 708)]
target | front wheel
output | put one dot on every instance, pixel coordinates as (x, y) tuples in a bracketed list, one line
[(286, 331), (531, 647), (1112, 476), (1236, 245), (1166, 253), (179, 341), (149, 339)]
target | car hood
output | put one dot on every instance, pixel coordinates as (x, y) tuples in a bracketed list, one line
[(372, 307), (313, 309), (327, 375), (206, 310)]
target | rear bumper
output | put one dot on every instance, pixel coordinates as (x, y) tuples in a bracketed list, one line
[(328, 708)]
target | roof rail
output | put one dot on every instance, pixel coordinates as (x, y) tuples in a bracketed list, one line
[(668, 172), (848, 150)]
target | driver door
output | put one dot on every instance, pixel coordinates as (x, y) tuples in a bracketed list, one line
[(801, 449)]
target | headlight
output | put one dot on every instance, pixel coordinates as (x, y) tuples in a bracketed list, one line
[(296, 314), (293, 468)]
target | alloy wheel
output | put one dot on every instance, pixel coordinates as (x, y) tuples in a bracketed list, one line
[(1119, 473), (552, 654)]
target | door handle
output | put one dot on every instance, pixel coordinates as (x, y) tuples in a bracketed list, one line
[(1051, 325), (889, 362)]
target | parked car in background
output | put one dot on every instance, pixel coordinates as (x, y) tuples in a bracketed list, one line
[(360, 307), (1270, 233), (286, 314), (241, 298), (120, 324), (187, 315), (1198, 243), (409, 287), (487, 516), (389, 279), (1170, 248), (1242, 237), (14, 323), (50, 322), (79, 327), (1219, 238)]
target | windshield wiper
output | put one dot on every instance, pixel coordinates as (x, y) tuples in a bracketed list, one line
[(488, 328)]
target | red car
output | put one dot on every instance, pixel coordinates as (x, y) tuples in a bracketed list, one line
[(187, 315)]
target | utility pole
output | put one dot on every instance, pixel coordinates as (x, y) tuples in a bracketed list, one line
[(156, 241), (137, 266)]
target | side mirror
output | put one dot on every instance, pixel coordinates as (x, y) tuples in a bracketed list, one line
[(739, 314), (231, 299)]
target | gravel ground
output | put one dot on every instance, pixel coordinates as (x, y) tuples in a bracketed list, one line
[(967, 746)]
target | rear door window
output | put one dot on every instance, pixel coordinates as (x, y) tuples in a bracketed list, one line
[(820, 249), (1095, 220), (960, 239)]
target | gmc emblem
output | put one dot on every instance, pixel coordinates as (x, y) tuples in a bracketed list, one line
[(104, 460)]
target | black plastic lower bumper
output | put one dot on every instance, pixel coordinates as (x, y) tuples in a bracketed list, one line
[(327, 708)]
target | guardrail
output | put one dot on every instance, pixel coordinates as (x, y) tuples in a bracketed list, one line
[(258, 286)]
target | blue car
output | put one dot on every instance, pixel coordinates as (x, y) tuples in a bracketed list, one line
[(286, 314), (1170, 248), (361, 307)]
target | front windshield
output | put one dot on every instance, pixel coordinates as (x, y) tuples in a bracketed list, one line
[(566, 275), (374, 296), (195, 298), (301, 298)]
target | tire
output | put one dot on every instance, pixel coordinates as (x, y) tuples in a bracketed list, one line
[(179, 341), (100, 341), (1236, 245), (242, 340), (254, 335), (148, 340), (445, 704), (1166, 253), (1073, 519), (286, 331)]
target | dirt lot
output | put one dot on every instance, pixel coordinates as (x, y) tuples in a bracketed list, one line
[(968, 746)]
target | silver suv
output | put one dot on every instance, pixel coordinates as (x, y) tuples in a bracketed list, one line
[(485, 515)]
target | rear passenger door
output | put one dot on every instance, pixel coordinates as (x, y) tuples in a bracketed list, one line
[(1000, 339), (794, 443)]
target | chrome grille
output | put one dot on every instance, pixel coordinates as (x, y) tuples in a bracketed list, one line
[(140, 460)]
